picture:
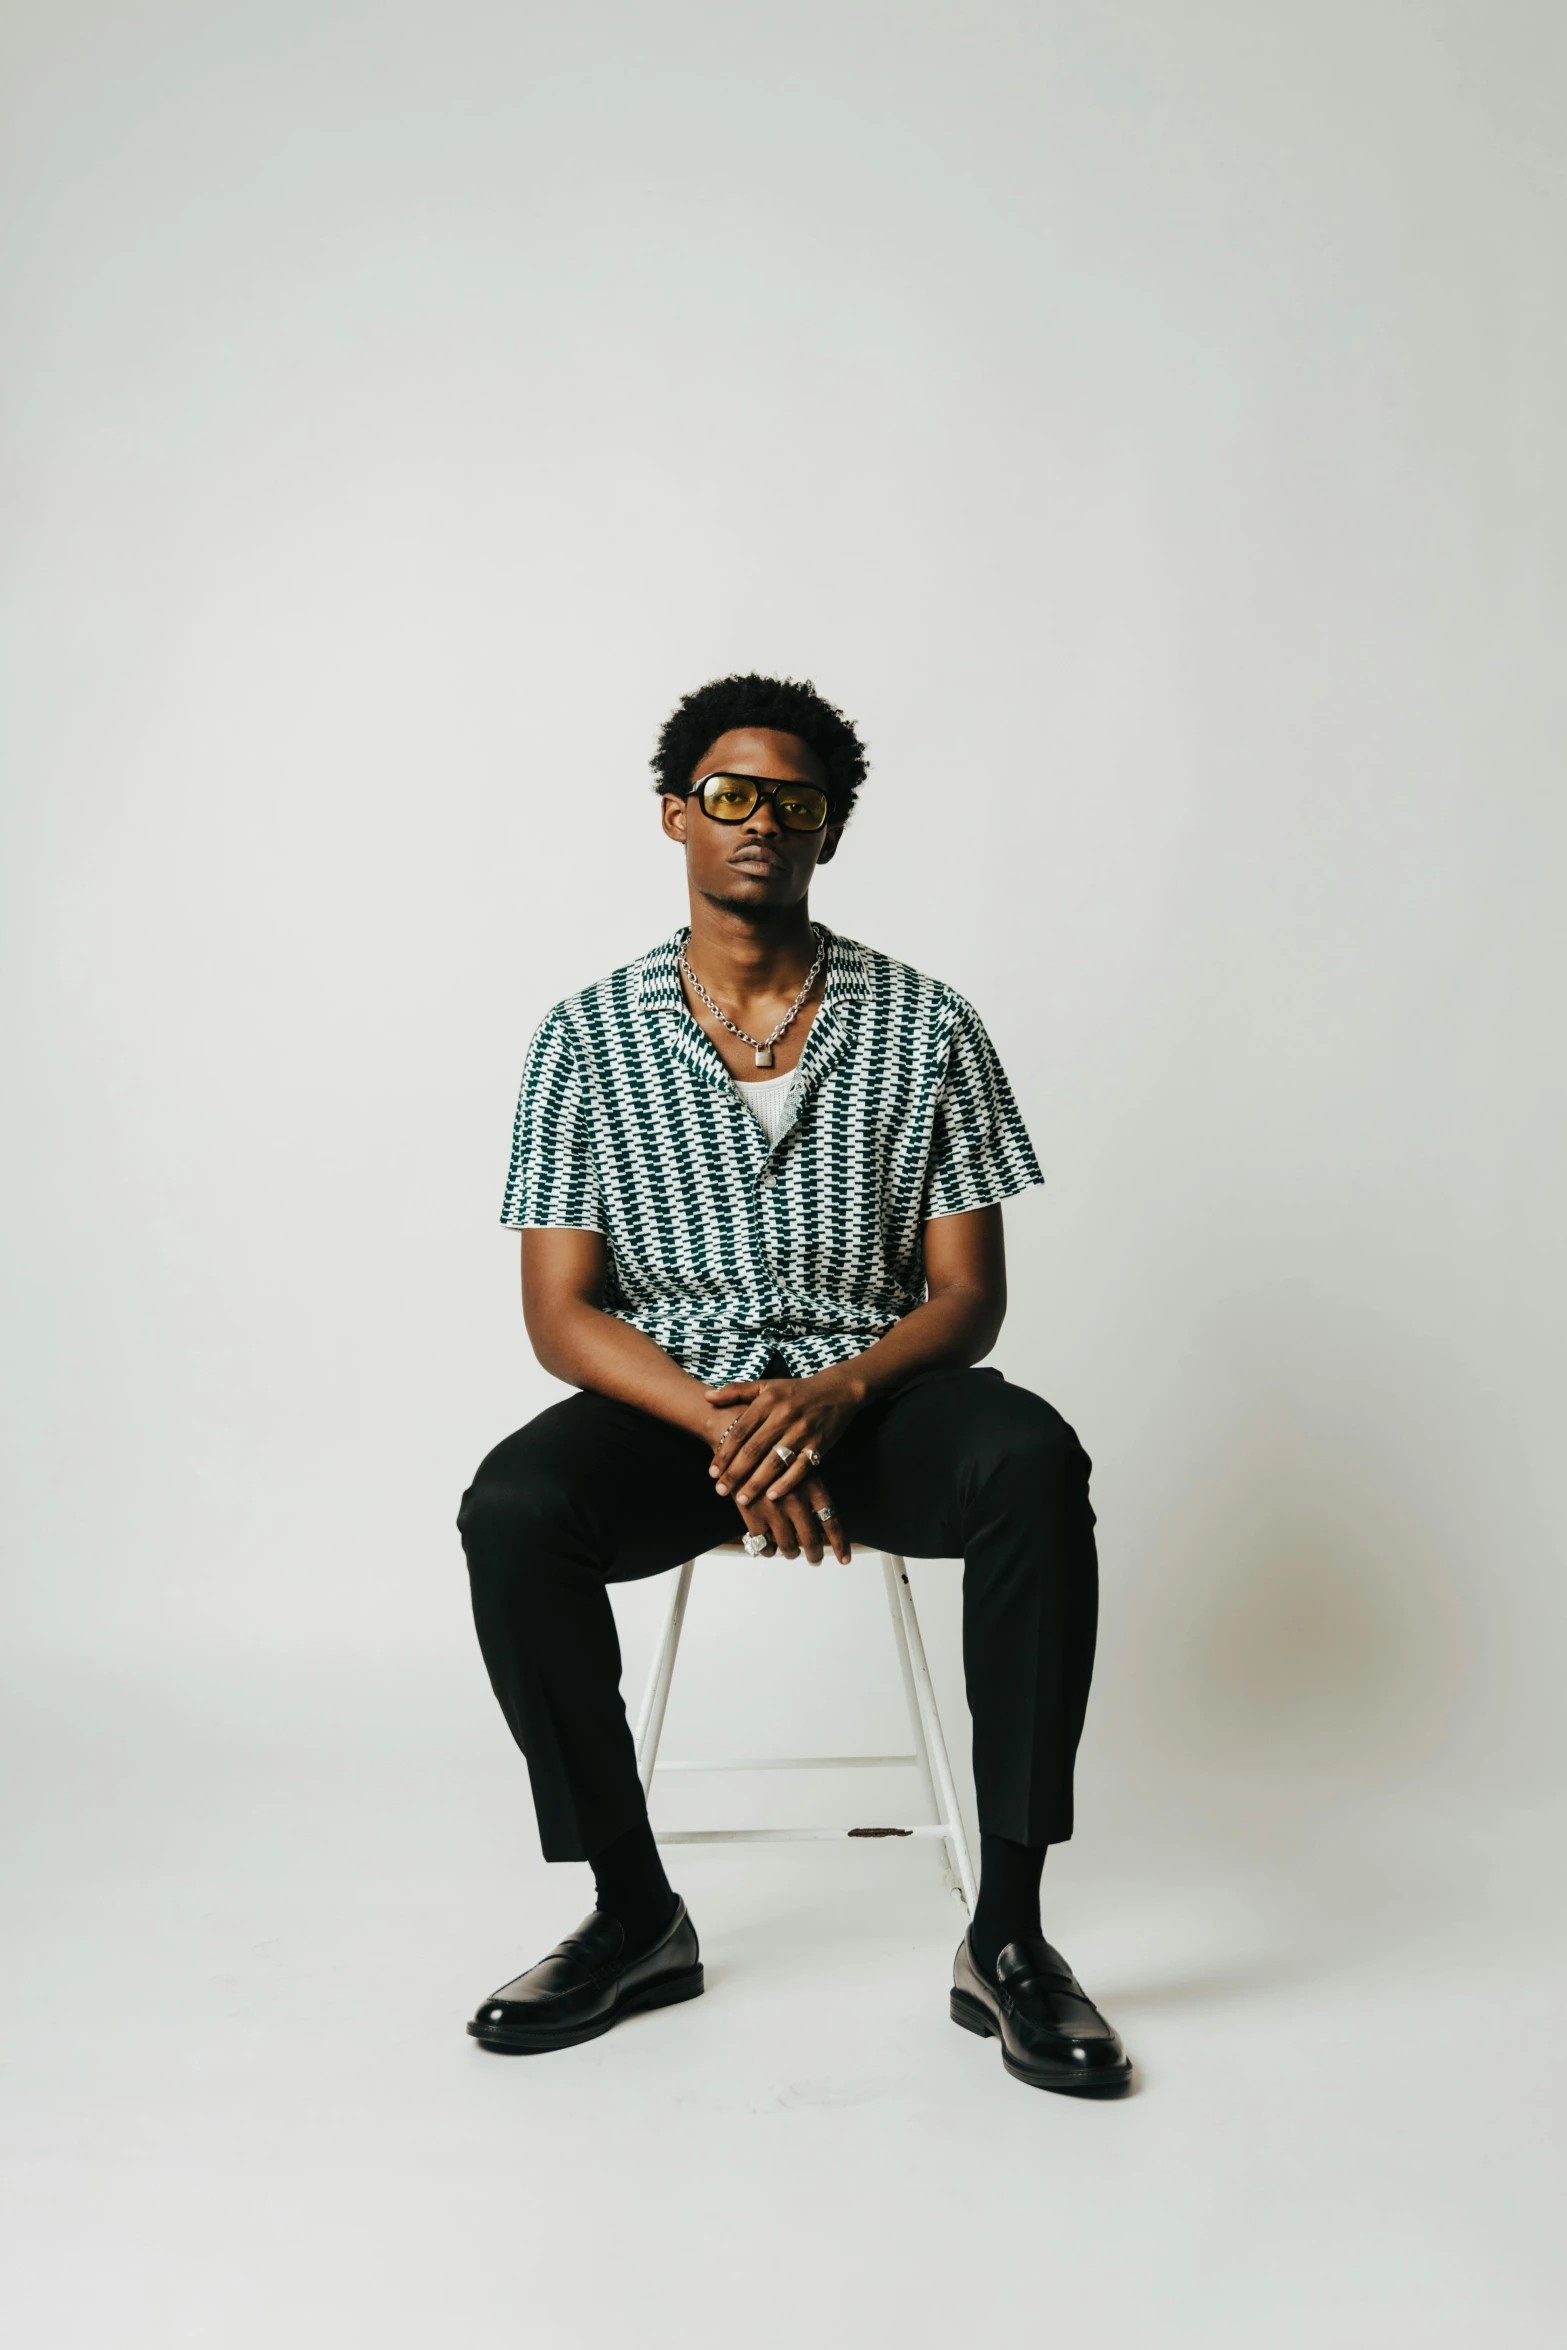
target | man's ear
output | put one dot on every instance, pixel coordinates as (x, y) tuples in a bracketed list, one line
[(674, 816), (830, 840)]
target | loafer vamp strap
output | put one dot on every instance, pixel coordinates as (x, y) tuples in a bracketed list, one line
[(1063, 2014), (1033, 1960), (585, 1958)]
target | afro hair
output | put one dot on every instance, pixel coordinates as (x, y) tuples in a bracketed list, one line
[(787, 705)]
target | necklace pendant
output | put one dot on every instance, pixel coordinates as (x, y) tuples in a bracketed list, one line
[(764, 1056)]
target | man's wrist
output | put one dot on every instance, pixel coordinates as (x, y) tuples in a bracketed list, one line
[(702, 1416)]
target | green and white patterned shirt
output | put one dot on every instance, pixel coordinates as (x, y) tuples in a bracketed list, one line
[(723, 1247)]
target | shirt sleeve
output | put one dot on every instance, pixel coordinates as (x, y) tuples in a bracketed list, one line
[(553, 1179), (980, 1150)]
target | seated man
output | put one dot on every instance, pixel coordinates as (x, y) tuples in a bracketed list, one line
[(757, 1174)]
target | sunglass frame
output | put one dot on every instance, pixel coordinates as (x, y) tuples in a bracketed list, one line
[(775, 784)]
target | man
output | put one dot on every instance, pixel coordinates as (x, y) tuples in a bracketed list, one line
[(758, 1176)]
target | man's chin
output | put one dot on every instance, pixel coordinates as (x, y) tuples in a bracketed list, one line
[(758, 896)]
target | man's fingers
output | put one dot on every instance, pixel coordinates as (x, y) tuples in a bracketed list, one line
[(755, 1523), (722, 1462), (761, 1518), (785, 1532), (807, 1526), (766, 1471), (753, 1412), (740, 1471), (833, 1529), (792, 1525), (797, 1440)]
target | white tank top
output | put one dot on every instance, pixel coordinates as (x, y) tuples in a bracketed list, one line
[(768, 1097)]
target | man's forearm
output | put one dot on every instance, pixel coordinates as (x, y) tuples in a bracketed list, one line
[(589, 1348), (957, 1327)]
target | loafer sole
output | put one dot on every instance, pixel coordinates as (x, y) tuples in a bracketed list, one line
[(977, 2018), (537, 2039)]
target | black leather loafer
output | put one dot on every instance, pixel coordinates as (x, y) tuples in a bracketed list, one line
[(1051, 2033), (586, 1985)]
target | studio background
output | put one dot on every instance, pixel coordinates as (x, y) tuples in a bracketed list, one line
[(1145, 420)]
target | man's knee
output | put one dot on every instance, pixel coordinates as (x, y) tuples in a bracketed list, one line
[(515, 1512), (1024, 1441)]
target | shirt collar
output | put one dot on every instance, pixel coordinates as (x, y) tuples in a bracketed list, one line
[(658, 987)]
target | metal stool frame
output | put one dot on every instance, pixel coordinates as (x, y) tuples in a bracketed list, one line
[(929, 1755)]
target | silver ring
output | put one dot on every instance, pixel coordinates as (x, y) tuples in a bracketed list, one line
[(814, 1457), (828, 1512), (753, 1545), (785, 1453)]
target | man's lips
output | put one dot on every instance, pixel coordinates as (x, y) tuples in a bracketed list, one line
[(757, 861)]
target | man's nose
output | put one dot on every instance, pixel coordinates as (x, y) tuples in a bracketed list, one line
[(763, 818)]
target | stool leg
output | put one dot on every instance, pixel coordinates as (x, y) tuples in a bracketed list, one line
[(935, 1743), (655, 1697), (890, 1566)]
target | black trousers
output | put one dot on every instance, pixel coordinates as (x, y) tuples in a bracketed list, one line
[(956, 1464)]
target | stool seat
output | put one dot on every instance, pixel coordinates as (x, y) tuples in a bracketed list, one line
[(929, 1754)]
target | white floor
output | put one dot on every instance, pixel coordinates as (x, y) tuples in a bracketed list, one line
[(244, 1933)]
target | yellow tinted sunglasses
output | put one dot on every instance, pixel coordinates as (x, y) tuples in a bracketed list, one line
[(730, 799)]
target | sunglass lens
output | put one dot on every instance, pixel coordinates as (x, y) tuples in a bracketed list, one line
[(802, 807), (728, 797)]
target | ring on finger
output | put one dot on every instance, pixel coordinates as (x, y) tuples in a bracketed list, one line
[(814, 1457), (785, 1453), (825, 1514)]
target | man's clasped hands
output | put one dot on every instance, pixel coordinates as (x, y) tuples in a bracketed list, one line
[(786, 1502)]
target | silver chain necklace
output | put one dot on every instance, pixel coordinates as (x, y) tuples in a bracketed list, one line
[(761, 1045)]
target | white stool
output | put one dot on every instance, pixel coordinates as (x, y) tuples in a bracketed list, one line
[(929, 1755)]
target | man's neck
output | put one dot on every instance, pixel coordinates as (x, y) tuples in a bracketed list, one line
[(750, 954)]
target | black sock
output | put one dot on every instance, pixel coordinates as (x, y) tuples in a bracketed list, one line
[(631, 1885), (1008, 1904)]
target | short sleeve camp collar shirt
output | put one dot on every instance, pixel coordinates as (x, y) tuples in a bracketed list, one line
[(727, 1249)]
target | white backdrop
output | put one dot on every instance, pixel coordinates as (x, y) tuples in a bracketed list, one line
[(1143, 423), (1145, 420)]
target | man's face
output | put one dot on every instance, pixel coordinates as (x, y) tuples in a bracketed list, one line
[(758, 862)]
